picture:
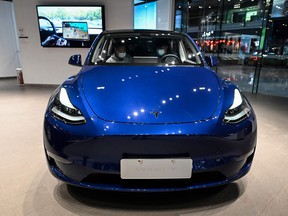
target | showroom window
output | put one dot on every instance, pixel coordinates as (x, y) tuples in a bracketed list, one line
[(248, 36), (273, 78)]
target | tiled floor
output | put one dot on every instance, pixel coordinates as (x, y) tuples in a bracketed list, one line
[(27, 187)]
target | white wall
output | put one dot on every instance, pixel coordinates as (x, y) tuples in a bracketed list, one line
[(49, 65), (9, 60)]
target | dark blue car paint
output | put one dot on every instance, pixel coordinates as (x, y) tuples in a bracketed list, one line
[(180, 94), (190, 125)]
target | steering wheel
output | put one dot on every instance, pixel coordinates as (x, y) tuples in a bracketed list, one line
[(163, 58), (46, 31)]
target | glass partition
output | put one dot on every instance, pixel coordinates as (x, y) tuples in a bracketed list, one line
[(248, 36), (273, 78)]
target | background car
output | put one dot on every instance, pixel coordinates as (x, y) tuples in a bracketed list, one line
[(267, 59), (154, 123)]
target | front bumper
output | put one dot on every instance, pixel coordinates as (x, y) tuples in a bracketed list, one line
[(95, 162)]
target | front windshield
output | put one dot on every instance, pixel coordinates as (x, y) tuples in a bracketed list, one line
[(145, 48)]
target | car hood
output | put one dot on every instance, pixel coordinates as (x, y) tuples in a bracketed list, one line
[(148, 95)]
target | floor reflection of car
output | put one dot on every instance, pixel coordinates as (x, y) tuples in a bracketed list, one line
[(269, 59)]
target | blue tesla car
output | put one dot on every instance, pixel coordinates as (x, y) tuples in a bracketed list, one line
[(147, 113)]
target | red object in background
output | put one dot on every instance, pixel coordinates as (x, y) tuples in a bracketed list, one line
[(254, 58), (20, 76)]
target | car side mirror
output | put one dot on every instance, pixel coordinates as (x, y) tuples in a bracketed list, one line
[(212, 61), (75, 60)]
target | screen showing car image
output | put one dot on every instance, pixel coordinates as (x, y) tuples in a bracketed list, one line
[(75, 31), (69, 26)]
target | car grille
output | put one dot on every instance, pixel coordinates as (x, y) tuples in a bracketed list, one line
[(197, 179)]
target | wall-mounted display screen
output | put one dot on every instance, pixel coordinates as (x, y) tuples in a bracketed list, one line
[(145, 15), (69, 26), (75, 30)]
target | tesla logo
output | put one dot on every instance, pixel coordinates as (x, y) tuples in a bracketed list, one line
[(156, 114)]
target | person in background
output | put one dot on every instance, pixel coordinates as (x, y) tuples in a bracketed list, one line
[(119, 55), (162, 49)]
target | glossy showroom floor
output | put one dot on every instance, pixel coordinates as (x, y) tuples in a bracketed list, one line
[(27, 187)]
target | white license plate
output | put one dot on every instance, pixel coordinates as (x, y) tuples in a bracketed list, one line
[(179, 168)]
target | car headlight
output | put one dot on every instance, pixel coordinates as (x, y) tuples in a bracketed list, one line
[(238, 111), (64, 110)]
